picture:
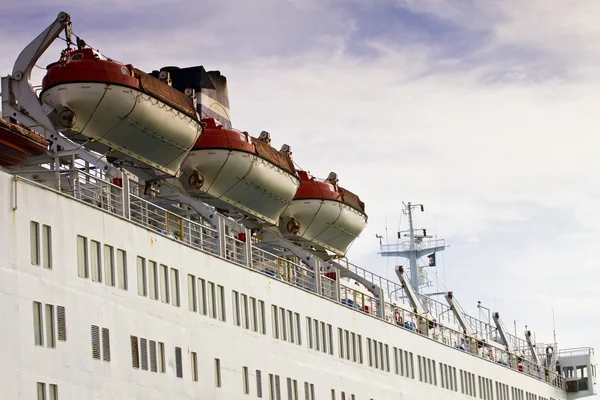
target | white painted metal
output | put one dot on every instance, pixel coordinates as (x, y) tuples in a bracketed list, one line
[(243, 180), (331, 224), (70, 365), (128, 120)]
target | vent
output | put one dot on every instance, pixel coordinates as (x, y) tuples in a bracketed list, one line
[(153, 356), (306, 391), (178, 364), (258, 384), (144, 353), (105, 344), (289, 388), (95, 342), (277, 388), (62, 323), (135, 354)]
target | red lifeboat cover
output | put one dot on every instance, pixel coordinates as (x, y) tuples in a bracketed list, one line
[(313, 188)]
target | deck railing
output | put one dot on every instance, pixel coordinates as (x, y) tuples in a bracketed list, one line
[(218, 240)]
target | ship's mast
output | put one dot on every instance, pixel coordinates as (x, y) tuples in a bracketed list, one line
[(416, 247)]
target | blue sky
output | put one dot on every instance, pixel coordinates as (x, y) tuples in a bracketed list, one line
[(484, 111)]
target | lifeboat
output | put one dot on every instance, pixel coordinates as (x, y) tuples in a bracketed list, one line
[(122, 108), (241, 170), (18, 143), (324, 213)]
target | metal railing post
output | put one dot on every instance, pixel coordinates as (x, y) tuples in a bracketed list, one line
[(125, 196), (221, 232), (248, 247)]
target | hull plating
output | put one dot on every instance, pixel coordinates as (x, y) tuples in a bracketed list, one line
[(127, 120), (243, 180)]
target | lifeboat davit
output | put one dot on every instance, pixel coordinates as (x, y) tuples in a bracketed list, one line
[(324, 213), (122, 108), (18, 143), (241, 170)]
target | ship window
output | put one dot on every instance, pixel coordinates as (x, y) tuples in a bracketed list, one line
[(109, 265), (194, 366), (298, 330), (254, 316), (235, 304), (212, 306), (76, 56), (347, 343), (244, 311), (261, 317), (258, 384), (61, 320), (141, 276), (245, 383), (164, 283), (360, 353), (47, 246), (295, 384), (271, 387), (135, 354), (122, 269), (202, 296), (275, 320), (217, 372), (192, 293), (153, 280), (323, 338), (82, 257), (317, 343), (95, 342), (353, 348), (96, 262), (332, 394), (41, 391), (291, 326), (175, 300), (161, 357), (152, 347), (144, 353), (53, 390), (125, 71), (277, 388), (38, 325), (50, 337), (221, 302), (105, 344), (178, 363), (34, 232), (309, 332), (283, 324)]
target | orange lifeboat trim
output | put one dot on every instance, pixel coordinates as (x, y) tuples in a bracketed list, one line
[(313, 188), (18, 143)]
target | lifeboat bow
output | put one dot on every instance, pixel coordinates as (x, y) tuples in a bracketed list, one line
[(324, 213)]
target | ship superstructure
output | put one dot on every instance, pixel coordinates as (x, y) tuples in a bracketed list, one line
[(156, 253)]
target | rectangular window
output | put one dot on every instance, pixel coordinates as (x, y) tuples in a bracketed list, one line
[(283, 331), (122, 269), (105, 344), (221, 302), (153, 280), (217, 372), (53, 390), (38, 324), (291, 326), (144, 353), (202, 296), (175, 300), (47, 246), (96, 261), (61, 319), (212, 301), (192, 293), (309, 332), (50, 329), (178, 363), (34, 234), (244, 311), (41, 391), (141, 276), (160, 350), (194, 362), (245, 383), (235, 304), (135, 353), (298, 329), (261, 317), (253, 315), (164, 283), (275, 321), (341, 342), (258, 384), (82, 257), (152, 346), (109, 265), (95, 342)]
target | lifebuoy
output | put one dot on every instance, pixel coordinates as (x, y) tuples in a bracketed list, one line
[(196, 181), (397, 316), (293, 226)]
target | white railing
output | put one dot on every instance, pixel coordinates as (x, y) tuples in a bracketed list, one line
[(405, 246), (222, 242)]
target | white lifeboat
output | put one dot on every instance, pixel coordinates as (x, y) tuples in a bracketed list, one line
[(122, 108), (240, 170), (324, 213)]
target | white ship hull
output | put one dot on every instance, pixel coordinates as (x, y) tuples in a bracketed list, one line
[(70, 364), (331, 224), (125, 119), (243, 180)]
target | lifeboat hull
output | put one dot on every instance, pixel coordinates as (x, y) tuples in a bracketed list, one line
[(328, 223), (124, 119), (243, 180)]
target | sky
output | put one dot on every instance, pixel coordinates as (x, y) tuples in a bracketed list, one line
[(483, 111)]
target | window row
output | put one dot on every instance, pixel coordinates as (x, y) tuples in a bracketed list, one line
[(343, 396), (50, 394), (379, 355), (404, 363), (350, 345), (467, 383), (248, 312), (41, 244), (158, 281), (286, 325), (96, 345), (448, 377), (501, 391), (99, 262), (319, 335), (142, 347), (48, 324), (427, 371), (486, 388), (206, 298)]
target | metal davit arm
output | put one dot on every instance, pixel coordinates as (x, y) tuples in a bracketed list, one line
[(20, 81), (410, 291)]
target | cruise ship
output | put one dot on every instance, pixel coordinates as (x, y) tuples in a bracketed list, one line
[(152, 251)]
